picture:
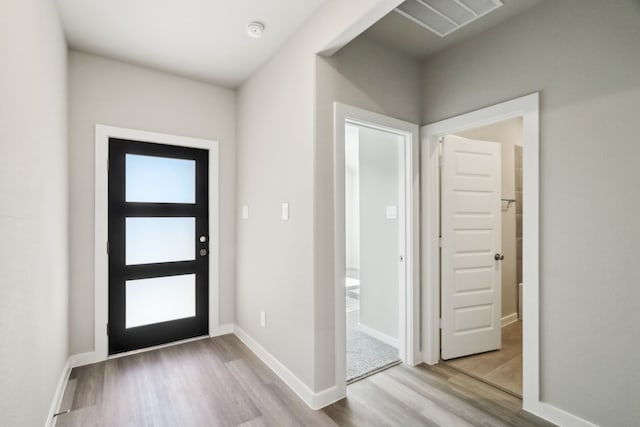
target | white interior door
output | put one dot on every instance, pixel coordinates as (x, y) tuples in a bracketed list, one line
[(471, 236)]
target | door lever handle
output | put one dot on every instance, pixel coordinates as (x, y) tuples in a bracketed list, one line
[(498, 257)]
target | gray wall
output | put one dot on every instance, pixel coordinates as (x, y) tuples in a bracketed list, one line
[(276, 260), (369, 76), (583, 56), (509, 134), (33, 210), (275, 165), (379, 237), (103, 91)]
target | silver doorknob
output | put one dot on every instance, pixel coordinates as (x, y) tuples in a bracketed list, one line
[(498, 257)]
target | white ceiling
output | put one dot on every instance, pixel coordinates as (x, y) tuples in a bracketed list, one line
[(400, 33), (202, 39)]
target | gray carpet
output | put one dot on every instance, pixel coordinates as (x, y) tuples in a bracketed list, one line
[(365, 354)]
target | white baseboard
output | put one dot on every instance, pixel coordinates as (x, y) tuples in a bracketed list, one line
[(90, 357), (57, 397), (222, 330), (509, 319), (328, 396), (393, 342), (313, 400), (417, 359), (556, 415), (82, 359)]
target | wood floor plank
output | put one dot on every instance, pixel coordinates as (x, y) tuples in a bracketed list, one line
[(442, 417), (88, 385), (220, 382), (389, 409), (256, 422), (297, 406), (432, 412), (500, 367), (440, 390), (508, 375), (272, 408), (351, 412)]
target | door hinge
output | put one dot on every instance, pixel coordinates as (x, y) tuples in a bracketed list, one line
[(440, 323), (440, 242)]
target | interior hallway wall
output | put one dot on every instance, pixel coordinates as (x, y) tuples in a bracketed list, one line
[(33, 210), (509, 134), (108, 92), (583, 57), (369, 76), (380, 187), (278, 267)]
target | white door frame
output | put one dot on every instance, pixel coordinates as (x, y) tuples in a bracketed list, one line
[(526, 107), (101, 260), (409, 295)]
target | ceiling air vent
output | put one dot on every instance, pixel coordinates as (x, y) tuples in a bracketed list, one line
[(446, 16)]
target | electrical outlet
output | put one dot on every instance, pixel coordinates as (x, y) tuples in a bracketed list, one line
[(263, 319), (245, 212)]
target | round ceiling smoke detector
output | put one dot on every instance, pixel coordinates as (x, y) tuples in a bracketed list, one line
[(255, 29)]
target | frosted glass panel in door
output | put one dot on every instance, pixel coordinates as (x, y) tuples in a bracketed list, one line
[(159, 179), (154, 240), (160, 299)]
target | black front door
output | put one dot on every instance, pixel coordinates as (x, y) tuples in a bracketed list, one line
[(158, 244)]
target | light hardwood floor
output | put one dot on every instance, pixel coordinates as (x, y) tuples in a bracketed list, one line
[(502, 368), (220, 382)]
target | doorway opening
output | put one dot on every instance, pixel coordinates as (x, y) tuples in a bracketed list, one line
[(375, 245), (481, 237), (482, 269), (375, 234), (156, 240)]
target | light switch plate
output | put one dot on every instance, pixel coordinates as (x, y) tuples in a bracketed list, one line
[(263, 319), (245, 212), (285, 211), (392, 212)]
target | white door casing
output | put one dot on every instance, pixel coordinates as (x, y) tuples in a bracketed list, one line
[(101, 260), (410, 333), (471, 237)]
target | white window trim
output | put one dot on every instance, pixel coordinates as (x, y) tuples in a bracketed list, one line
[(101, 260)]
